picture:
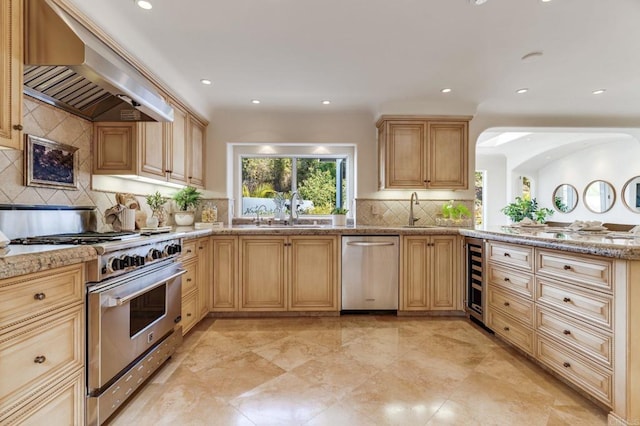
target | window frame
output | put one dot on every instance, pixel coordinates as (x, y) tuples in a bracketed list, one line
[(238, 151)]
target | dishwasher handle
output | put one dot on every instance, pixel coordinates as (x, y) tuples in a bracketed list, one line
[(370, 243)]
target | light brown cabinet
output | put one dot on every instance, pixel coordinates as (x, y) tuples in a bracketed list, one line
[(275, 273), (430, 278), (416, 152), (42, 347), (196, 281), (171, 152), (225, 292), (11, 61)]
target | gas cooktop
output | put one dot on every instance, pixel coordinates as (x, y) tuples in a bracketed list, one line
[(79, 238)]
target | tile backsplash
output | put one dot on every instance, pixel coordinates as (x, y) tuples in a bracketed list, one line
[(377, 212), (43, 120)]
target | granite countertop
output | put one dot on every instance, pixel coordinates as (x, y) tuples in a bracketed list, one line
[(21, 260), (619, 245)]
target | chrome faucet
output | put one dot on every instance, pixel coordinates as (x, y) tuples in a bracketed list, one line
[(261, 208), (413, 220), (293, 206)]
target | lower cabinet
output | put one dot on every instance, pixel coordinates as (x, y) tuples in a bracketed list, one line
[(195, 282), (275, 273), (42, 348), (430, 279)]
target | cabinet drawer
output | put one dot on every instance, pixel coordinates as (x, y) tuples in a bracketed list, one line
[(189, 250), (61, 405), (593, 379), (586, 304), (189, 312), (510, 255), (519, 283), (512, 331), (582, 270), (591, 342), (190, 278), (34, 294), (39, 354), (511, 305)]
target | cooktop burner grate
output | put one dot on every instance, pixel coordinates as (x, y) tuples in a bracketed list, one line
[(79, 238)]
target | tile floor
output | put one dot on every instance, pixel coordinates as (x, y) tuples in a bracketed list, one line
[(352, 370)]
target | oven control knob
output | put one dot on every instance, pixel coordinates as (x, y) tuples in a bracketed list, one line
[(173, 249), (127, 261), (154, 254), (138, 260), (114, 264)]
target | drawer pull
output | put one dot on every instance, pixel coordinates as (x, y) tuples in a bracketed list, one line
[(566, 332), (39, 296), (188, 280), (507, 255), (188, 250), (566, 364), (566, 300), (567, 267), (17, 127), (40, 359), (506, 329), (188, 314), (506, 303), (507, 279)]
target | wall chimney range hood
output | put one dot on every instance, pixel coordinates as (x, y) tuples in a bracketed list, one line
[(69, 67)]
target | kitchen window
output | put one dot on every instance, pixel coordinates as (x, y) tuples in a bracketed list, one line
[(322, 175)]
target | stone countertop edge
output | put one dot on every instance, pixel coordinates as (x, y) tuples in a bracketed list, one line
[(603, 249), (44, 259)]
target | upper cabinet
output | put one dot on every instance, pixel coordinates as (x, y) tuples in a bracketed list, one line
[(171, 152), (11, 42), (417, 152)]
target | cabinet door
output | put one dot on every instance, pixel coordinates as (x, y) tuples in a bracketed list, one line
[(177, 147), (204, 275), (152, 149), (262, 274), (448, 152), (444, 281), (314, 274), (189, 312), (415, 274), (11, 41), (224, 295), (405, 154), (114, 148), (196, 153)]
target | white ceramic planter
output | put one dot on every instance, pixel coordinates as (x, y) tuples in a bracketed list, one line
[(184, 218), (339, 219)]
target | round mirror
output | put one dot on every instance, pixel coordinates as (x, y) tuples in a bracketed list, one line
[(565, 198), (599, 196), (631, 194)]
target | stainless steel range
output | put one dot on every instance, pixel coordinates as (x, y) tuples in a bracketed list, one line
[(133, 302)]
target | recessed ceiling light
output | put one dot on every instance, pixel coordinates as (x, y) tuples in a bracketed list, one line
[(599, 91), (477, 2), (255, 101), (445, 90), (545, 1), (521, 91), (326, 102), (144, 4), (206, 81)]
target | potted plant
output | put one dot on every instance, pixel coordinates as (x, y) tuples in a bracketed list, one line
[(156, 202), (454, 215), (187, 199), (339, 216), (526, 208)]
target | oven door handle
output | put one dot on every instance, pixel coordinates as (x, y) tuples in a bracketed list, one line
[(119, 301)]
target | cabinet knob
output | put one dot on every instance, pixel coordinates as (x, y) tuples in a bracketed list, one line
[(188, 314), (506, 329), (39, 359), (188, 280), (190, 177), (506, 304), (507, 255), (507, 279), (566, 300), (168, 171), (566, 267), (39, 296), (566, 364), (566, 332), (17, 127)]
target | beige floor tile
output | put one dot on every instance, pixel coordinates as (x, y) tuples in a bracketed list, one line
[(340, 414), (290, 352)]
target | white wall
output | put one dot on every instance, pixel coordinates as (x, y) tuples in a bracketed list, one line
[(614, 162)]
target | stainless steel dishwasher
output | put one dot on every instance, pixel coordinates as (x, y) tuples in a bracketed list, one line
[(370, 272)]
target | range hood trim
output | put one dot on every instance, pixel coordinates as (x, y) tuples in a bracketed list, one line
[(55, 38)]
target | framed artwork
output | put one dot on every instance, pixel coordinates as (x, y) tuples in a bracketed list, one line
[(50, 164)]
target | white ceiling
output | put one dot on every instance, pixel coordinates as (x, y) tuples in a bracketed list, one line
[(386, 55)]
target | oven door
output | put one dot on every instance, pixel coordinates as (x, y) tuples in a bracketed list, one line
[(128, 317)]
